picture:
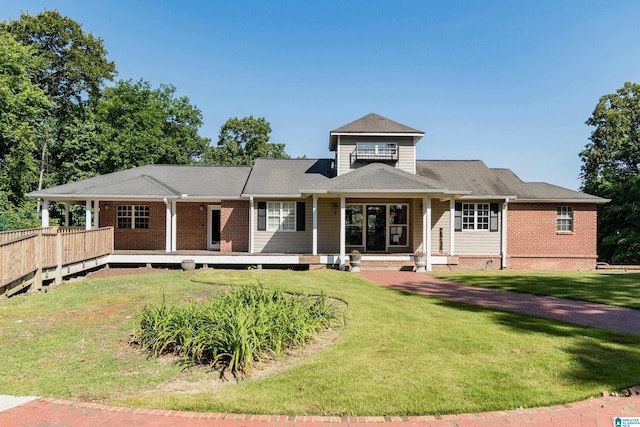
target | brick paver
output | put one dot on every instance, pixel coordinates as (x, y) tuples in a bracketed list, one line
[(579, 312), (594, 412)]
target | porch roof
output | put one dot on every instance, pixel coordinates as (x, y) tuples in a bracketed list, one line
[(382, 178), (156, 182)]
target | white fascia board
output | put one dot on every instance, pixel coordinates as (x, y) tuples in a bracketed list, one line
[(271, 196), (573, 201), (377, 134), (495, 197), (67, 197)]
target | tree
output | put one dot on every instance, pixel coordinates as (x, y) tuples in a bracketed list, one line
[(132, 125), (242, 141), (22, 107), (610, 169), (72, 70)]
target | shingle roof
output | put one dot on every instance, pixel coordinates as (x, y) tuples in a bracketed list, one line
[(287, 176), (156, 181), (380, 177), (371, 124), (475, 176)]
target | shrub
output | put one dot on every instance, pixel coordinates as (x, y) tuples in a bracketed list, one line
[(235, 328)]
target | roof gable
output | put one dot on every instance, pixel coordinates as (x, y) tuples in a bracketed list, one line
[(372, 124)]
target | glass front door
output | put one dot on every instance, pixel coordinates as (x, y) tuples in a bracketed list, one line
[(376, 228), (213, 230)]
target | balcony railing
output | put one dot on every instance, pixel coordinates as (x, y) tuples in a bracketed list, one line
[(376, 151)]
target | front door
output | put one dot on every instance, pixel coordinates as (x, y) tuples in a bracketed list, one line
[(376, 227), (213, 229)]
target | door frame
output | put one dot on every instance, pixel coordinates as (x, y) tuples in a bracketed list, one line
[(211, 246)]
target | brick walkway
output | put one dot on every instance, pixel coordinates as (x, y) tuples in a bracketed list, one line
[(595, 412)]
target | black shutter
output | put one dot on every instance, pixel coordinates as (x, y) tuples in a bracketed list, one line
[(300, 218), (262, 216), (493, 217), (457, 223)]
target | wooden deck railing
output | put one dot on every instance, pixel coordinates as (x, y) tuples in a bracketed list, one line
[(27, 255)]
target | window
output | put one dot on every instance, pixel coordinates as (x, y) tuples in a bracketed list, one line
[(353, 221), (281, 216), (136, 217), (376, 151), (475, 216), (398, 225), (565, 218)]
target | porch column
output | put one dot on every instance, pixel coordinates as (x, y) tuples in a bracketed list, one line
[(174, 224), (167, 226), (452, 226), (315, 225), (87, 215), (96, 213), (426, 229), (67, 213), (44, 211), (251, 224), (503, 234), (343, 234)]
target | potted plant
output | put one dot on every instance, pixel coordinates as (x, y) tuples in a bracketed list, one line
[(420, 259), (354, 261)]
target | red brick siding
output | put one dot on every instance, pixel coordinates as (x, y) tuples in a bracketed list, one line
[(191, 232), (129, 239), (534, 243), (234, 226)]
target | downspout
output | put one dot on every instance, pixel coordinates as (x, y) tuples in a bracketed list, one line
[(503, 236), (251, 224), (167, 230)]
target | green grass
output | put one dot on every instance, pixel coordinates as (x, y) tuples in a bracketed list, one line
[(399, 354), (612, 288)]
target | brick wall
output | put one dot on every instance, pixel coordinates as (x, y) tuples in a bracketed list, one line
[(234, 226), (534, 243), (130, 239), (191, 232)]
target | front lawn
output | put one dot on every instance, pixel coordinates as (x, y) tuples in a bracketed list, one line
[(399, 354), (612, 288)]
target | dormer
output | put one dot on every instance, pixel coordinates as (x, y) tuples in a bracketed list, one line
[(372, 139)]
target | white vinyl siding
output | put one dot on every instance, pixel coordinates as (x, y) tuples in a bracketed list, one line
[(440, 219), (346, 152), (328, 225), (288, 242), (479, 240)]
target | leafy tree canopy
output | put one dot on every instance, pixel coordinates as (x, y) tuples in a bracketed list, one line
[(22, 106), (242, 141), (132, 125), (610, 169)]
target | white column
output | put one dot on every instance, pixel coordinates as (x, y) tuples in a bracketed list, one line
[(44, 211), (343, 234), (503, 233), (167, 226), (251, 224), (67, 213), (96, 213), (426, 229), (315, 225), (452, 227), (87, 215), (174, 224)]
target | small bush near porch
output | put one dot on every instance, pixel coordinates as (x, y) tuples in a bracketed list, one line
[(399, 353)]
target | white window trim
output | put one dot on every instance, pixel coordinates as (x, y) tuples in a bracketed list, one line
[(132, 215), (564, 213), (281, 217), (476, 216)]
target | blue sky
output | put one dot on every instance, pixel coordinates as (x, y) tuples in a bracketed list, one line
[(507, 82)]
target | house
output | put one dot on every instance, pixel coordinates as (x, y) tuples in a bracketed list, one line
[(372, 195)]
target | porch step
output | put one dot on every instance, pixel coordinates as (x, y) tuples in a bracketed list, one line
[(386, 265)]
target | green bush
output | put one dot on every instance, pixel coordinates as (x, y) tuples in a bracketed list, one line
[(236, 328)]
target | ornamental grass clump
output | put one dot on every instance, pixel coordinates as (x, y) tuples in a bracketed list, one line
[(236, 328)]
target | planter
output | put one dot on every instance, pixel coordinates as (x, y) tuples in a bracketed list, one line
[(188, 264), (421, 263), (354, 263)]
